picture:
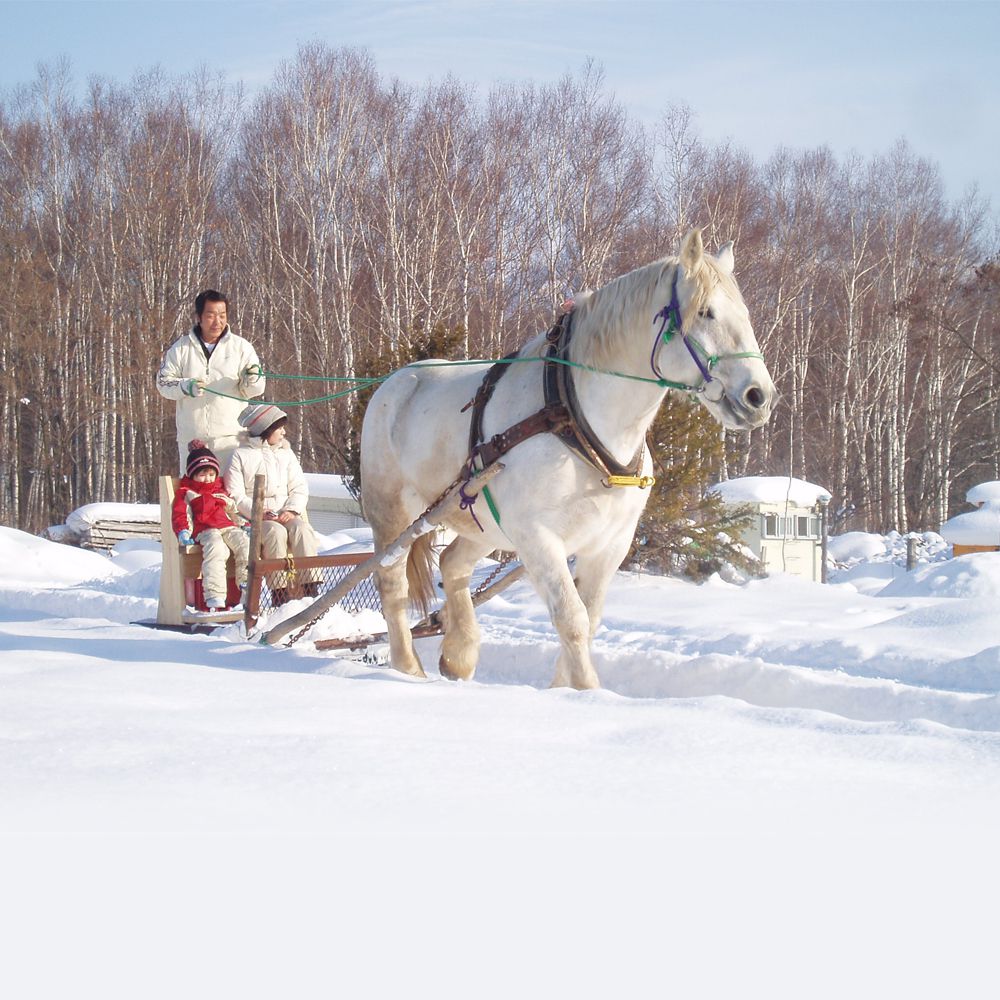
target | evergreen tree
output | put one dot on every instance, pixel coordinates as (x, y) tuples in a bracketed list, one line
[(683, 530)]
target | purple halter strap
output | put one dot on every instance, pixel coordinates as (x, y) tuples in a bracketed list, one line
[(671, 323)]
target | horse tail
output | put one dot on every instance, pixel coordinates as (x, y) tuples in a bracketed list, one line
[(420, 573)]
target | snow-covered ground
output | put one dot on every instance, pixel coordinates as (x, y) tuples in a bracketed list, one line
[(784, 789)]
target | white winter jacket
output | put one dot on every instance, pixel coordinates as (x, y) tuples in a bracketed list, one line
[(213, 419), (284, 484)]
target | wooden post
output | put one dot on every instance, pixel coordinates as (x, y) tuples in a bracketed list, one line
[(251, 606), (170, 608), (824, 534)]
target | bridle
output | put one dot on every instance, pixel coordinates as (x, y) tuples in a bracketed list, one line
[(672, 324)]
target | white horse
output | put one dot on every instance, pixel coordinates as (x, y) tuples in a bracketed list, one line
[(684, 316)]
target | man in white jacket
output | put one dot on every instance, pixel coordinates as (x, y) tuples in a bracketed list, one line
[(210, 356)]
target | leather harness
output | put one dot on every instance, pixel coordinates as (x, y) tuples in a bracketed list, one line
[(561, 415)]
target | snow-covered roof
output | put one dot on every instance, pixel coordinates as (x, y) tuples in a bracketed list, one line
[(322, 484), (770, 489), (984, 492), (85, 517), (977, 527)]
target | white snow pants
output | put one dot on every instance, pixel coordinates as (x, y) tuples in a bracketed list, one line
[(216, 544)]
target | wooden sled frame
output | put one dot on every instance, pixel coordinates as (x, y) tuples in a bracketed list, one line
[(180, 565)]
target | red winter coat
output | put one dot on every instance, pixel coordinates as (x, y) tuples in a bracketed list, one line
[(198, 506)]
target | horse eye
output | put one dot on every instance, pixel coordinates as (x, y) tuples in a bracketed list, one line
[(707, 313)]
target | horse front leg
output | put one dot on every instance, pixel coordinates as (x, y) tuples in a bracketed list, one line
[(460, 647), (395, 597), (546, 564), (593, 575)]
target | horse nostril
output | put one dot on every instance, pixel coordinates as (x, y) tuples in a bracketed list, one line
[(754, 397)]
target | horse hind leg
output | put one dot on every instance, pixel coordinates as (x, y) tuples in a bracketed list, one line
[(460, 647), (395, 597)]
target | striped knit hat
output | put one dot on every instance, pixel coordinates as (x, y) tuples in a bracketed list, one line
[(259, 418), (200, 456)]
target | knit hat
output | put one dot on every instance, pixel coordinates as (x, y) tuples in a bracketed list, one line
[(259, 418), (200, 456)]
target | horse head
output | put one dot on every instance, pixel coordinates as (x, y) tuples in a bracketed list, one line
[(707, 334)]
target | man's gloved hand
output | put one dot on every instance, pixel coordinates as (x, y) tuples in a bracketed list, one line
[(192, 387), (250, 376), (184, 537)]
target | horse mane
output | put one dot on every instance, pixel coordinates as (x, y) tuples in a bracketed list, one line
[(603, 318)]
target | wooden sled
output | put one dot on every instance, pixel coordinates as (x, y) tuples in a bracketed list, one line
[(180, 574), (182, 567)]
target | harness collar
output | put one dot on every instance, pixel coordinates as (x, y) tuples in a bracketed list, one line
[(561, 415), (578, 434)]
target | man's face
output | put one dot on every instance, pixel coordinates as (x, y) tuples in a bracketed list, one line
[(213, 321), (205, 475)]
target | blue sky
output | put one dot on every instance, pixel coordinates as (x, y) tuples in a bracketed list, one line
[(853, 75)]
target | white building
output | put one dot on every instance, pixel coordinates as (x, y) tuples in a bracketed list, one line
[(786, 534), (331, 506)]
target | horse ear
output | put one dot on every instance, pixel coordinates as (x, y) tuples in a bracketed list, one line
[(692, 251), (726, 258)]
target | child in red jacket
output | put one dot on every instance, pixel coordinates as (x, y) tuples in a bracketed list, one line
[(205, 513)]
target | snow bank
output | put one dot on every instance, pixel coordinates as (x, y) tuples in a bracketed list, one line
[(326, 485), (348, 540), (975, 575), (869, 562), (983, 492), (855, 546), (133, 554), (28, 559)]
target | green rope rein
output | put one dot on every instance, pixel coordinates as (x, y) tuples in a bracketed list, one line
[(359, 383)]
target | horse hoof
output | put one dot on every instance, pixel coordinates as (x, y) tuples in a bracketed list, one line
[(453, 673), (587, 684), (411, 671)]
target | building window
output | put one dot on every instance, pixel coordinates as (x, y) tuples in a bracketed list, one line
[(792, 526), (774, 526), (806, 526)]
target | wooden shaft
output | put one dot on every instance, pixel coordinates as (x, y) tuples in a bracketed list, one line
[(392, 553)]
